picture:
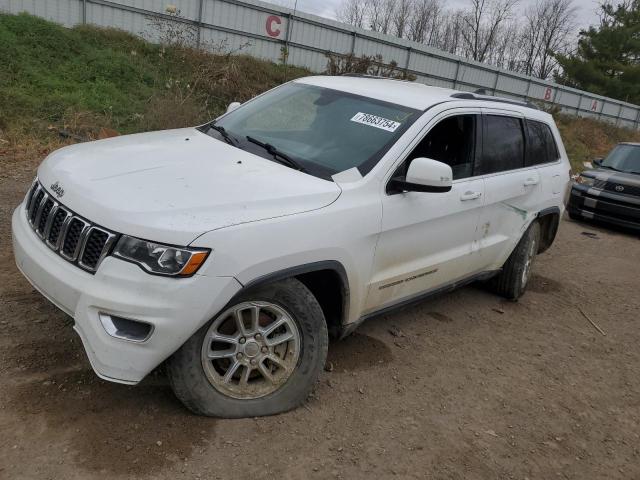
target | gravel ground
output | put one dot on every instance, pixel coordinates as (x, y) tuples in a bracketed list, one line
[(462, 386)]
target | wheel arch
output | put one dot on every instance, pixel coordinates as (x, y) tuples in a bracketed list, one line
[(328, 282), (549, 220)]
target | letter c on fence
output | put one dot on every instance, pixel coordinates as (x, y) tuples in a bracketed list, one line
[(270, 30)]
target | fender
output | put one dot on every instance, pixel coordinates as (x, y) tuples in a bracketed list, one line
[(295, 271), (549, 219), (548, 228), (549, 211), (299, 270)]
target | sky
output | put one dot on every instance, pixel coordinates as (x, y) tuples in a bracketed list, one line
[(585, 14)]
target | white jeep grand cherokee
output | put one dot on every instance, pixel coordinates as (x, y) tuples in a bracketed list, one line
[(233, 250)]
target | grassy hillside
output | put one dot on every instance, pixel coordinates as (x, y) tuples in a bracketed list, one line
[(106, 77), (586, 139), (87, 80)]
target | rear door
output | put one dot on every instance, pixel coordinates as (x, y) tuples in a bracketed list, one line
[(512, 188)]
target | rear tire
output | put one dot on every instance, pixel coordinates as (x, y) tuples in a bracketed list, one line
[(512, 281), (266, 366)]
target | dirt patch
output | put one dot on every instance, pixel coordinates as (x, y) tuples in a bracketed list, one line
[(130, 431), (441, 317), (463, 386), (358, 352), (30, 357), (51, 388), (541, 284)]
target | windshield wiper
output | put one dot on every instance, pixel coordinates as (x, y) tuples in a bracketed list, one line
[(278, 155), (222, 131)]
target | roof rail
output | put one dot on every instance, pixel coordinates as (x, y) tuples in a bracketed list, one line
[(491, 98), (375, 77)]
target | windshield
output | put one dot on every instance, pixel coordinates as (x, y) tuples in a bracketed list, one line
[(624, 158), (325, 131)]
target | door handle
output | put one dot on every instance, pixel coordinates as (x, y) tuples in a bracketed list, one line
[(466, 196), (530, 181)]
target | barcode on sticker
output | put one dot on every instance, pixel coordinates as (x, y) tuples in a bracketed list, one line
[(375, 121)]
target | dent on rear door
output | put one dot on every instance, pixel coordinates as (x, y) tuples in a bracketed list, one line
[(510, 205), (511, 190)]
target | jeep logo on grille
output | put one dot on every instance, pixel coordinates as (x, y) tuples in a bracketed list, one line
[(57, 189), (619, 188)]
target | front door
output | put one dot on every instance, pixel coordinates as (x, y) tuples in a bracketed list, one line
[(430, 239)]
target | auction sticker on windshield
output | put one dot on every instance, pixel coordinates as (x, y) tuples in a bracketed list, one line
[(375, 121)]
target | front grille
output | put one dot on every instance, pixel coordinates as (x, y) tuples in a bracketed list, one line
[(74, 238), (35, 205), (613, 187), (56, 226), (93, 247)]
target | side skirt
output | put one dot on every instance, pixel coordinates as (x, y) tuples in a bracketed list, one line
[(420, 297)]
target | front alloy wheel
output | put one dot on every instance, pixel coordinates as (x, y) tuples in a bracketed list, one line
[(261, 356), (251, 350)]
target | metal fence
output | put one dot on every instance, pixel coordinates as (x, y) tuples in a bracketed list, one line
[(266, 31)]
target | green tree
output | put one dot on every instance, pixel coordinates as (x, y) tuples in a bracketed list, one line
[(607, 60)]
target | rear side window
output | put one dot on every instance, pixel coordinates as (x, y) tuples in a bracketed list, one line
[(502, 145), (541, 146)]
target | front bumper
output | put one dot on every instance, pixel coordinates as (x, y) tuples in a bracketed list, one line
[(599, 205), (176, 308)]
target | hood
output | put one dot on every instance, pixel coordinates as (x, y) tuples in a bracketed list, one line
[(611, 176), (172, 186)]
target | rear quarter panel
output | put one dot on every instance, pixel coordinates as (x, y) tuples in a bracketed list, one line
[(555, 177)]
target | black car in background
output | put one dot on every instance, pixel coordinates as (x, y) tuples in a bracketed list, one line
[(611, 191)]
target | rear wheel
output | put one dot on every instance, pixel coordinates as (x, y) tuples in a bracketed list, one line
[(261, 356), (512, 281)]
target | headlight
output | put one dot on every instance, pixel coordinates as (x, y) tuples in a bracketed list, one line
[(160, 259), (586, 181)]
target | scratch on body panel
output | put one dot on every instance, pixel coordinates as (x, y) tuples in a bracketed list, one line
[(519, 211)]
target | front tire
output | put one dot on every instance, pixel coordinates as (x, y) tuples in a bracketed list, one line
[(512, 281), (261, 356)]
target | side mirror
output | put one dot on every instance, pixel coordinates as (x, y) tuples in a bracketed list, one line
[(232, 106), (424, 175), (597, 162)]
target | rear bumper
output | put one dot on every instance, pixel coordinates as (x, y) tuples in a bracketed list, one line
[(175, 308), (602, 206)]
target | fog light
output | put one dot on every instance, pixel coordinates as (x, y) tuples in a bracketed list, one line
[(126, 329)]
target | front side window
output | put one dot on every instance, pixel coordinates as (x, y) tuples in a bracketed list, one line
[(324, 130), (541, 146), (502, 145), (623, 158), (452, 141)]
